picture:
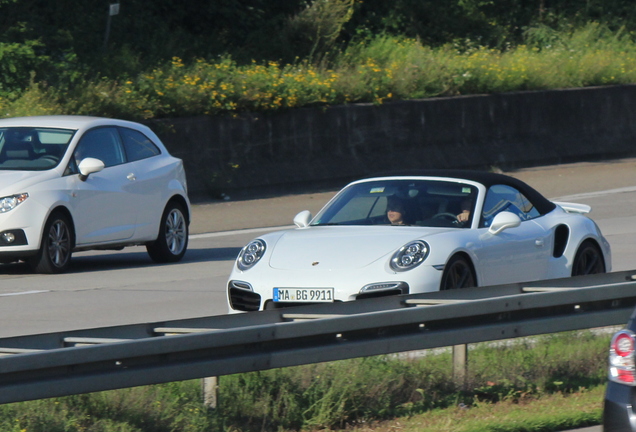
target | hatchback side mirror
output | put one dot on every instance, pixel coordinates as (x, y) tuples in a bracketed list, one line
[(89, 166), (502, 221)]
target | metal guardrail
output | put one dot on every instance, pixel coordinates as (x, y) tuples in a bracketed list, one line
[(64, 363)]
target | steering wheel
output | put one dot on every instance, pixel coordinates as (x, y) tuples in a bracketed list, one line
[(445, 215)]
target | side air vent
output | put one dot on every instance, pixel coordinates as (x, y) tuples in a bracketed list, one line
[(561, 237), (242, 298)]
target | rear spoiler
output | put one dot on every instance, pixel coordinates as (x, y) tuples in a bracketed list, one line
[(574, 207)]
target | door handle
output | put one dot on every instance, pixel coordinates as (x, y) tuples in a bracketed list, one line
[(131, 177), (538, 242)]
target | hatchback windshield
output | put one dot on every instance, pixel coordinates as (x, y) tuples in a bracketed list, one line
[(431, 203), (32, 148)]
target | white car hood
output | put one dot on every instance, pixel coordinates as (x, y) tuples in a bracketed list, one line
[(338, 247), (12, 182)]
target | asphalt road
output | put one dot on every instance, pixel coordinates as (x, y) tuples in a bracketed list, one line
[(111, 288)]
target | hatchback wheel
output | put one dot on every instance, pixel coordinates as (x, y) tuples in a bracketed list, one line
[(458, 273), (588, 260), (56, 246), (172, 241)]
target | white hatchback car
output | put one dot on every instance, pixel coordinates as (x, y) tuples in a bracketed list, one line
[(74, 183)]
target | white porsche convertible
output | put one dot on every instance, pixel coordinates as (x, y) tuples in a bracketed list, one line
[(408, 234)]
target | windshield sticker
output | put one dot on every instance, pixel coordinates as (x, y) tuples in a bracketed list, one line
[(465, 190), (379, 189)]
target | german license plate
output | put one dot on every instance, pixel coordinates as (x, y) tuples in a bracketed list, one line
[(309, 295)]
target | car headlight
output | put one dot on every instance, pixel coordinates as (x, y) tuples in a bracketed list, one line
[(410, 256), (250, 254), (10, 202)]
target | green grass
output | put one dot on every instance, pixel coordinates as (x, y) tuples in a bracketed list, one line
[(555, 412), (537, 384)]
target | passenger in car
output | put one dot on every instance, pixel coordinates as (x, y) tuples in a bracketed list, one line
[(464, 215)]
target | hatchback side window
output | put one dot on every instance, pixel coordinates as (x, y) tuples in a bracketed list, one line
[(506, 198), (103, 144), (138, 146)]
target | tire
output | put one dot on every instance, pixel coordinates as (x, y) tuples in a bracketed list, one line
[(458, 273), (56, 246), (172, 241), (588, 260)]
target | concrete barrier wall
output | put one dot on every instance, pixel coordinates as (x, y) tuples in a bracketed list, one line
[(311, 146)]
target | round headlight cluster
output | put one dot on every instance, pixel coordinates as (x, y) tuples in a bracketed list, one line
[(250, 254), (410, 256)]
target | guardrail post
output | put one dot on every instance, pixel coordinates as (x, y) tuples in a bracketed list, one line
[(210, 388), (460, 357)]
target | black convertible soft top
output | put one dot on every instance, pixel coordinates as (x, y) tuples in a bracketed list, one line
[(542, 204)]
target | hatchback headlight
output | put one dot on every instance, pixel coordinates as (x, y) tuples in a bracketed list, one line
[(10, 202), (250, 254), (410, 256)]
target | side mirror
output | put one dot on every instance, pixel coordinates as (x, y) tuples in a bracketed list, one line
[(502, 221), (302, 219), (89, 166)]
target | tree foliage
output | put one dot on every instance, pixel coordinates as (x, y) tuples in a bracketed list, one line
[(63, 42)]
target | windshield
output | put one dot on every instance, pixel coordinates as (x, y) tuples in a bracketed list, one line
[(32, 148), (429, 203)]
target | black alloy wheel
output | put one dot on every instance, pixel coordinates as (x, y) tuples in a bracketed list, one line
[(588, 260), (458, 273)]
